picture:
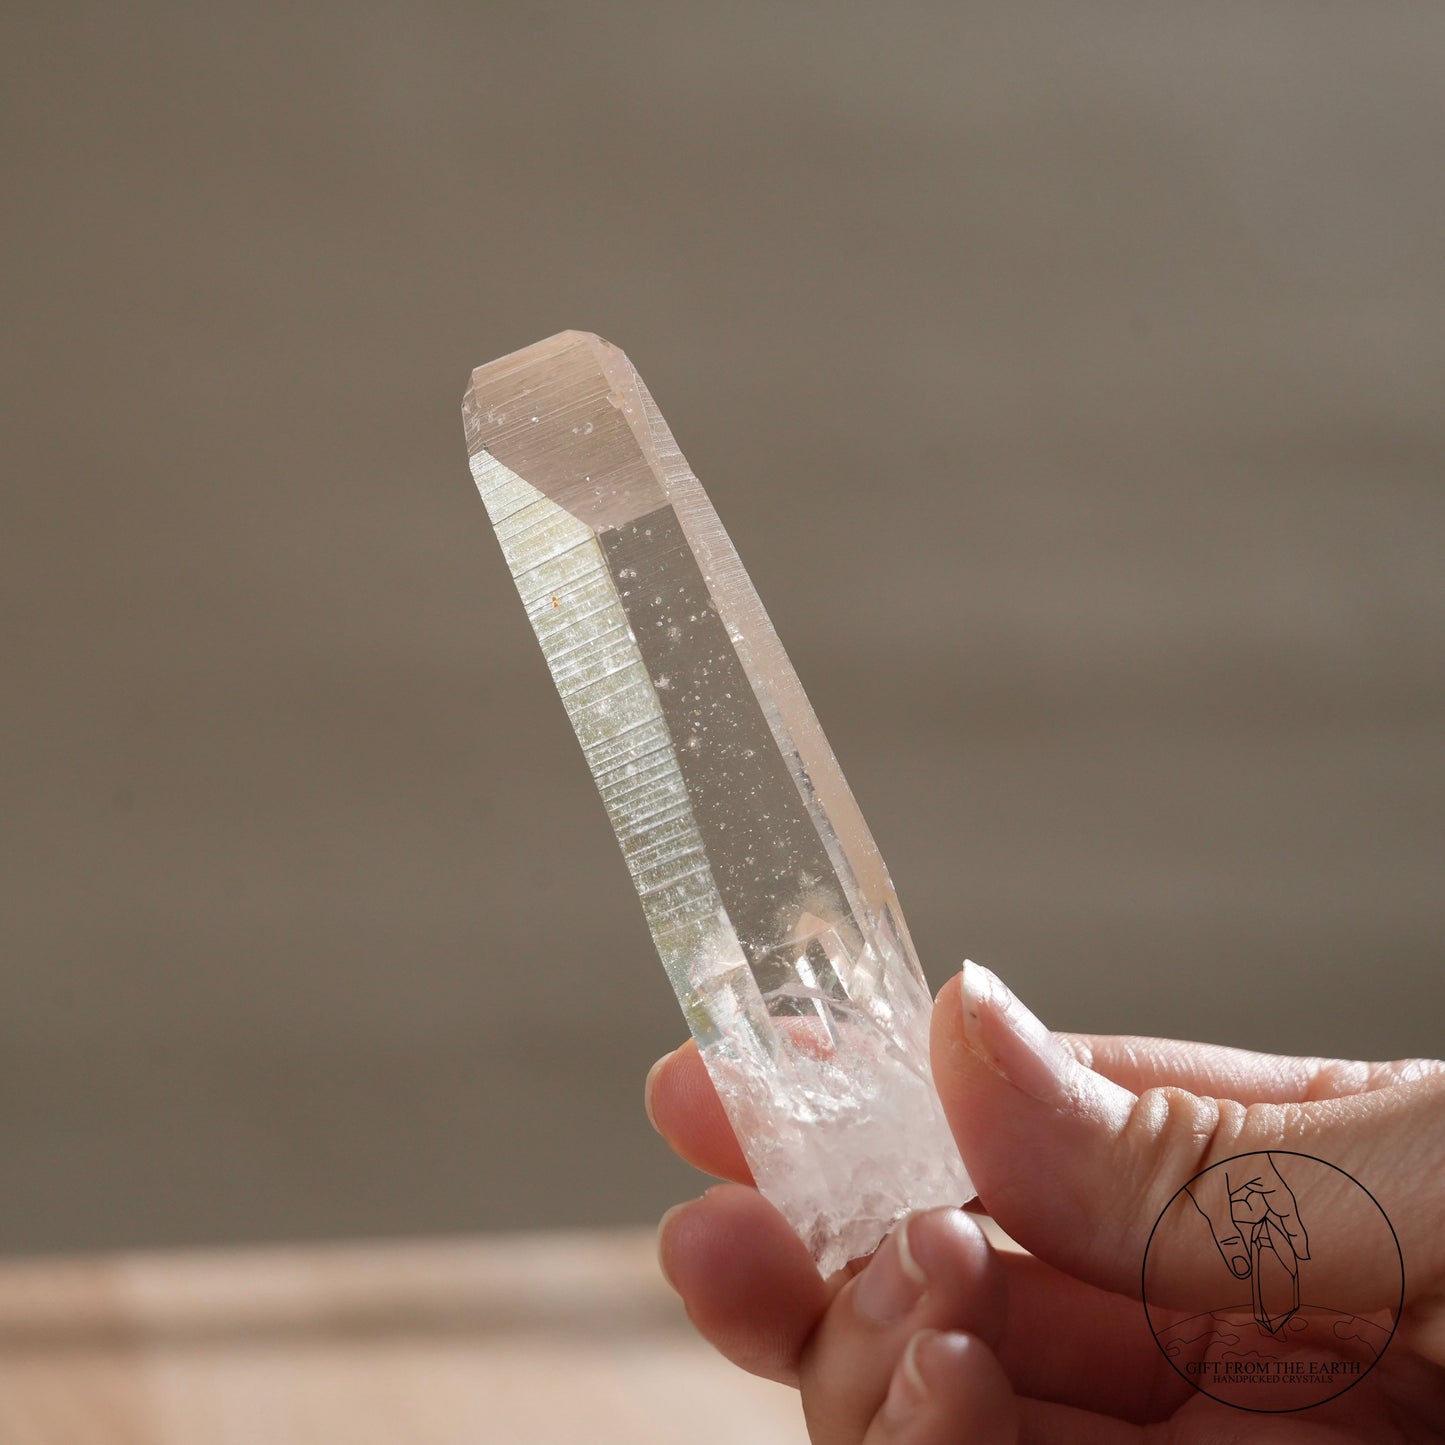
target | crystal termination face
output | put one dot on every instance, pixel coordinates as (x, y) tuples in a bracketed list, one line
[(766, 897)]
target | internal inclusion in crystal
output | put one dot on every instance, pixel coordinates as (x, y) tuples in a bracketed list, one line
[(766, 898)]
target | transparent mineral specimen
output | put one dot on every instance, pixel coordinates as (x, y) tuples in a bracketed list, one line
[(766, 897)]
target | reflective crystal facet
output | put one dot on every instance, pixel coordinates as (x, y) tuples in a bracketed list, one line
[(767, 899)]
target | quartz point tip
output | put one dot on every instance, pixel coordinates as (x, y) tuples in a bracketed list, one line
[(769, 904)]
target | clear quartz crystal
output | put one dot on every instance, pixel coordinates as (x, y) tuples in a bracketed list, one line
[(767, 899)]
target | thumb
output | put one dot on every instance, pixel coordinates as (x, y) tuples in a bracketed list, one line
[(1078, 1169), (1210, 1194)]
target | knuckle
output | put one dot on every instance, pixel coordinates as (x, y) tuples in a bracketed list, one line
[(1175, 1134), (1335, 1078)]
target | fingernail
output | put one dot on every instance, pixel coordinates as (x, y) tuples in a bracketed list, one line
[(892, 1283), (908, 1389), (1002, 1032), (1240, 1265), (647, 1088)]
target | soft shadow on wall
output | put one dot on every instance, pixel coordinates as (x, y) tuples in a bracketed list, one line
[(1069, 382)]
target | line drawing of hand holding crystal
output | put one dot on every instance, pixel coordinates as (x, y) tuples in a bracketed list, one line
[(1310, 1328), (1254, 1218)]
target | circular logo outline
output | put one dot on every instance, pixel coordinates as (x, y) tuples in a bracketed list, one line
[(1144, 1296)]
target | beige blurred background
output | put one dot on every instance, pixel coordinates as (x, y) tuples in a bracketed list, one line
[(1071, 378)]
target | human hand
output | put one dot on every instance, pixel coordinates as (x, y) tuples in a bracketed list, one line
[(1239, 1197), (1076, 1145)]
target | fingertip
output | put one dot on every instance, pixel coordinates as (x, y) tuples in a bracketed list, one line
[(649, 1084), (948, 1385), (664, 1228), (948, 1046), (948, 1006), (746, 1279), (964, 1277), (907, 1388), (683, 1106), (683, 1227)]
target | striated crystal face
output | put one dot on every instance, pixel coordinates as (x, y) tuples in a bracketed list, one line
[(766, 897)]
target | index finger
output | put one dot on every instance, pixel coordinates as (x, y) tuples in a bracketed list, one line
[(685, 1109), (1140, 1064)]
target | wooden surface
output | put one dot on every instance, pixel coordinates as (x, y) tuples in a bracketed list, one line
[(565, 1337)]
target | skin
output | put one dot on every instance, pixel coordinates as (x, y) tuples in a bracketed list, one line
[(1076, 1143)]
